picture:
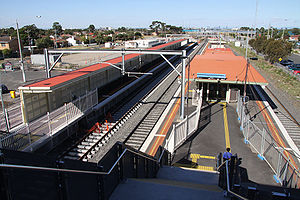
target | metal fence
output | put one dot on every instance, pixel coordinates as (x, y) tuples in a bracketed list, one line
[(12, 117), (185, 128), (32, 176), (27, 137), (281, 161)]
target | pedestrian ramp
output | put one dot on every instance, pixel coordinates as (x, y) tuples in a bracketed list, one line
[(172, 183)]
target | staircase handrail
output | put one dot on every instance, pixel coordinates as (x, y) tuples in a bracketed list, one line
[(84, 171), (228, 186)]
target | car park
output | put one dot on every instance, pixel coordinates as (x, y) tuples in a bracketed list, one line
[(294, 66), (286, 62)]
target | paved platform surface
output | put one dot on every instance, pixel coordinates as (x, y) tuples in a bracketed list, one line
[(211, 139)]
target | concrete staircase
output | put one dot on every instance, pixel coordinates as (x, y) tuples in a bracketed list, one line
[(172, 183)]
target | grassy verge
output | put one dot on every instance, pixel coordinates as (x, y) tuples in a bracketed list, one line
[(280, 78)]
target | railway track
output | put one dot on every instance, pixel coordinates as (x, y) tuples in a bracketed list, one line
[(288, 121), (100, 134), (138, 127), (290, 126)]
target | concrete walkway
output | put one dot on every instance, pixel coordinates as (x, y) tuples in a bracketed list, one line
[(219, 129)]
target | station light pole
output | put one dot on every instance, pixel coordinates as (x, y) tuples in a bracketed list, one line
[(21, 56), (247, 66)]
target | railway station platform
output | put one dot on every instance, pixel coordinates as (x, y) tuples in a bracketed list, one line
[(220, 126)]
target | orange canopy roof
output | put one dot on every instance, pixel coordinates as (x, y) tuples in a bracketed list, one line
[(223, 61)]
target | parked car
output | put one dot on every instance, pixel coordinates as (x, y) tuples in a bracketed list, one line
[(4, 89), (286, 62), (297, 71), (294, 66)]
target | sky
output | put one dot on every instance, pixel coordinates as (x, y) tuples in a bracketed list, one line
[(140, 13)]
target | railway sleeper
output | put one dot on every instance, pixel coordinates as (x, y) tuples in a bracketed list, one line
[(97, 134), (83, 146), (71, 157), (146, 125), (139, 132), (95, 137), (144, 129), (136, 140), (71, 153), (79, 150), (91, 140), (133, 145)]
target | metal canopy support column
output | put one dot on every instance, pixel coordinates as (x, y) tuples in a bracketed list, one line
[(183, 84), (47, 63), (170, 64), (123, 64)]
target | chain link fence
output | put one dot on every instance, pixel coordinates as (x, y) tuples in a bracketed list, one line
[(283, 162), (34, 133)]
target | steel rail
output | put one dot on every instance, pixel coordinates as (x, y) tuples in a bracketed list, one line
[(153, 107), (293, 119), (93, 147)]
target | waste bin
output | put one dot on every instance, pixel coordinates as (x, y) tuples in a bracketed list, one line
[(13, 94)]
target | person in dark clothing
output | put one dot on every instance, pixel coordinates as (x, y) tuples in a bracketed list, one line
[(227, 155)]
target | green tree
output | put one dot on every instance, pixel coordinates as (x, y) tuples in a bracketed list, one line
[(57, 27), (6, 52), (137, 35), (273, 49), (157, 26), (295, 31), (107, 39), (29, 33), (44, 42), (91, 28), (69, 31), (122, 29), (84, 39)]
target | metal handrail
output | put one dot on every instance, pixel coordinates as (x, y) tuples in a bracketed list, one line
[(161, 155), (221, 165), (228, 186), (81, 171)]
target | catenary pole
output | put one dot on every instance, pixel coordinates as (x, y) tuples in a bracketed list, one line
[(183, 84), (21, 56)]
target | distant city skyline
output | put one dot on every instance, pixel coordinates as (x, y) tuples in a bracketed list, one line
[(140, 13)]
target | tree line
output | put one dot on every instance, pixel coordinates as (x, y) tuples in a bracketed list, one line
[(272, 48), (31, 35)]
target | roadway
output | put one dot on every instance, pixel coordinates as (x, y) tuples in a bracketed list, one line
[(295, 58)]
